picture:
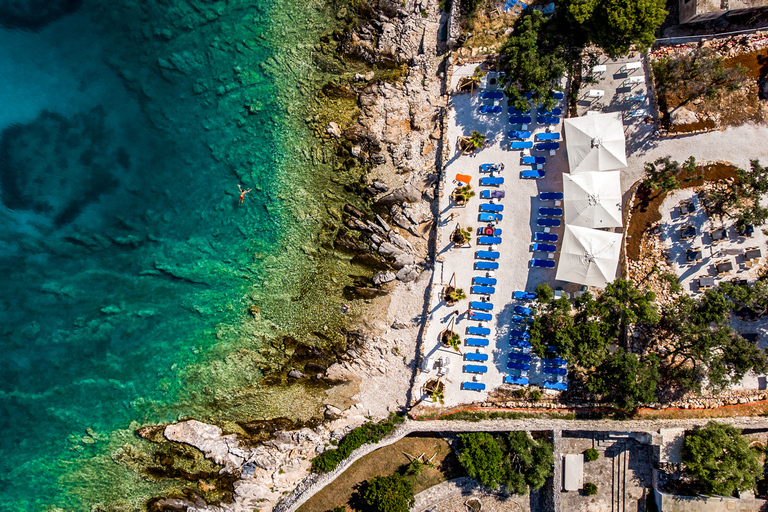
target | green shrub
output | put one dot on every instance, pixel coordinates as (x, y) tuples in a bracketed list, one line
[(535, 395), (392, 493), (368, 433), (590, 489), (591, 455)]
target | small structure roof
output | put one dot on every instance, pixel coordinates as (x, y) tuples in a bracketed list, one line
[(573, 468), (589, 256), (593, 199)]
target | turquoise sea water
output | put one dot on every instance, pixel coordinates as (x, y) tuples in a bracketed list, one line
[(128, 267)]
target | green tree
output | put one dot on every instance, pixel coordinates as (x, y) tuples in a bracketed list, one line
[(392, 493), (662, 175), (482, 458), (622, 304), (704, 346), (544, 293), (720, 459), (553, 326), (532, 63), (626, 379), (528, 462), (616, 25)]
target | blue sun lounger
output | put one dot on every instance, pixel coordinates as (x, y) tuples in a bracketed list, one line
[(554, 112), (519, 119), (491, 207), (489, 167), (475, 356), (544, 247), (491, 95), (489, 240), (559, 95), (550, 196), (543, 263), (520, 344), (551, 384), (518, 366), (546, 146), (548, 222), (485, 281), (532, 174), (527, 160), (524, 295), (519, 134), (490, 109), (522, 381), (558, 361), (521, 144), (478, 331), (547, 120), (548, 136), (476, 342), (550, 212), (520, 310), (492, 194), (517, 319), (475, 368), (483, 306), (486, 265), (492, 180), (545, 237), (488, 255), (483, 290), (484, 231), (523, 358), (490, 217), (473, 386), (516, 333), (553, 370), (480, 317)]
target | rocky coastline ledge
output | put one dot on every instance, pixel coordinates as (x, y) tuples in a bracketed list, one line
[(399, 134)]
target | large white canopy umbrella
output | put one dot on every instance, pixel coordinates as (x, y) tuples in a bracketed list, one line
[(589, 256), (593, 199), (595, 142)]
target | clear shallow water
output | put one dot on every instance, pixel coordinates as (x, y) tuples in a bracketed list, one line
[(128, 266)]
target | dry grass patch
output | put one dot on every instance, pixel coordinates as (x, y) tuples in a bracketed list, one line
[(345, 490)]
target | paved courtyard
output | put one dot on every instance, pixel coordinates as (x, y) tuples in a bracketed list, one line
[(622, 472)]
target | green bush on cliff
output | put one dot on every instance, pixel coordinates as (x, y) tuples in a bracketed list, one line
[(368, 433)]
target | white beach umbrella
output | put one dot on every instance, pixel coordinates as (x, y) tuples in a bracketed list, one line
[(595, 142), (589, 256), (593, 199)]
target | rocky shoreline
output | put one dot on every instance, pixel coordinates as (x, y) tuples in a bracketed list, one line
[(397, 135)]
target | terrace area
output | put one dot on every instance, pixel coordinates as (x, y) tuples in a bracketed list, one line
[(518, 211)]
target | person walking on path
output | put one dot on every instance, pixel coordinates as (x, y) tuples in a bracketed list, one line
[(242, 194)]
